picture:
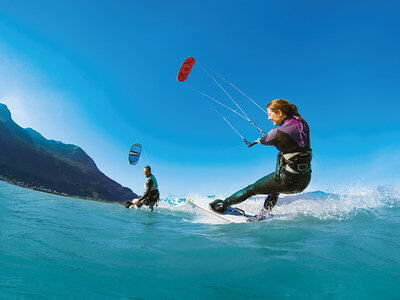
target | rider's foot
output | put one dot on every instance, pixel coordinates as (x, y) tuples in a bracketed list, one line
[(261, 215), (217, 206)]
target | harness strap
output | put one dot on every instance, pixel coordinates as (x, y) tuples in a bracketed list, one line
[(296, 162)]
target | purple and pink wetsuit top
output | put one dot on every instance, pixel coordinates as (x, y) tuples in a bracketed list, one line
[(292, 135)]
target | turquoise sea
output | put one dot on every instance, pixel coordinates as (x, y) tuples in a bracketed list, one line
[(317, 246)]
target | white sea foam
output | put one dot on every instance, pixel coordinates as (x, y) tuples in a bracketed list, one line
[(347, 203)]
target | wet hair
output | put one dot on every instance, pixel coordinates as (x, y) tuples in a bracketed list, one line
[(289, 109), (147, 167)]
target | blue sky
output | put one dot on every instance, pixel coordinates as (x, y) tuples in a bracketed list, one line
[(102, 75)]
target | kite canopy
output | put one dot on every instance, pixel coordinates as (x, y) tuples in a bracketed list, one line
[(134, 154), (186, 68)]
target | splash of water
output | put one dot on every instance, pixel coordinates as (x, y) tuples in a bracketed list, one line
[(346, 204)]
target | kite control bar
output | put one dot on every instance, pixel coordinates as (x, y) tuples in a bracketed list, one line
[(252, 144), (249, 144)]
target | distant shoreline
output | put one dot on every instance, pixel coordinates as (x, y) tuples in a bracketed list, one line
[(46, 190)]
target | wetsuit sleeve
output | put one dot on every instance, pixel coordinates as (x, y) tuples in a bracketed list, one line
[(149, 185), (270, 138)]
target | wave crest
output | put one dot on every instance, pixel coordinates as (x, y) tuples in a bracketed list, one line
[(321, 205)]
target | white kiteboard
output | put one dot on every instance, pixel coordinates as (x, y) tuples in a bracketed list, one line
[(232, 215)]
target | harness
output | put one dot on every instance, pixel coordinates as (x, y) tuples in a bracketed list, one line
[(295, 162)]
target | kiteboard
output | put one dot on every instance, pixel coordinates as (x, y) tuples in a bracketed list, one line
[(232, 215), (129, 204)]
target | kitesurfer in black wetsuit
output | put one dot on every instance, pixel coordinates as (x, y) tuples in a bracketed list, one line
[(293, 169), (151, 194)]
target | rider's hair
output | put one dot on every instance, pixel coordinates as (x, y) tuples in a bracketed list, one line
[(289, 109)]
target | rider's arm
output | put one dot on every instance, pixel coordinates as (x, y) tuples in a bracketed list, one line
[(270, 138), (149, 185)]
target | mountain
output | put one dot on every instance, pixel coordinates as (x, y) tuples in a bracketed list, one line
[(30, 159)]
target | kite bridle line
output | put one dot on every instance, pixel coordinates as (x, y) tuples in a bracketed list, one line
[(246, 141), (230, 97), (236, 88), (241, 114), (215, 100), (231, 109), (214, 109), (145, 155)]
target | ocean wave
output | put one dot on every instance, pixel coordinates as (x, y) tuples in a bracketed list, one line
[(322, 205)]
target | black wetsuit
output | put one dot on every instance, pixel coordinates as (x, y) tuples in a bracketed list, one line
[(151, 194), (293, 170)]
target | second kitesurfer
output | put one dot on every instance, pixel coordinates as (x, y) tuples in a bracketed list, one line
[(151, 195)]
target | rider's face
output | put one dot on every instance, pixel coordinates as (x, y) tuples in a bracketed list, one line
[(276, 117)]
